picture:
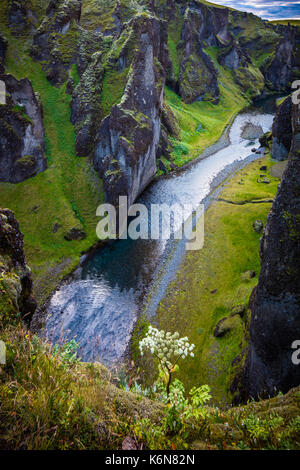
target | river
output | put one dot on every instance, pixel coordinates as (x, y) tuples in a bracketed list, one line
[(101, 302)]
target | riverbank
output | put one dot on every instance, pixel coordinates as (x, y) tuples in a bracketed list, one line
[(210, 283)]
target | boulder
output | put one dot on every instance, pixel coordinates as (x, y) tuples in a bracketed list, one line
[(248, 275), (251, 131), (225, 325), (75, 234), (258, 225), (238, 310)]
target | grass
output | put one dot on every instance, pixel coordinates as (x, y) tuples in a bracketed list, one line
[(210, 281), (51, 401), (292, 22), (113, 88), (66, 195), (174, 34), (202, 123)]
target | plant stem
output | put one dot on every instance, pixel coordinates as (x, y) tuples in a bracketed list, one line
[(169, 382)]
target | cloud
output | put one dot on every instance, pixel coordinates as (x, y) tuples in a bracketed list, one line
[(267, 9)]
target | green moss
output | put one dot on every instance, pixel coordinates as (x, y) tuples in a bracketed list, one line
[(100, 15), (27, 161), (113, 88), (293, 224), (251, 80), (66, 44), (174, 33), (74, 74)]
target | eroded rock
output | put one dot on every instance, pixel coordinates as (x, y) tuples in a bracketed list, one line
[(22, 143), (15, 276), (282, 131)]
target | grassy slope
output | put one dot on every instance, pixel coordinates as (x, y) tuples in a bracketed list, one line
[(286, 22), (47, 403), (67, 193), (231, 248)]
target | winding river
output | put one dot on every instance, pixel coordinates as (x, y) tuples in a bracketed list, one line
[(100, 304)]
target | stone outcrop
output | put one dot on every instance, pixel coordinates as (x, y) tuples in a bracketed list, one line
[(15, 276), (279, 71), (17, 15), (197, 76), (282, 131), (21, 132), (56, 41), (86, 111), (127, 142), (275, 302), (233, 57)]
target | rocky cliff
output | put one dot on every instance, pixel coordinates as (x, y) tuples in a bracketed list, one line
[(22, 144), (127, 141), (16, 300), (282, 131), (115, 55), (275, 302)]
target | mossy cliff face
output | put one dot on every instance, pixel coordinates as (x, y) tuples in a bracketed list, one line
[(197, 76), (280, 70), (275, 302), (127, 142), (15, 276), (22, 140), (56, 40)]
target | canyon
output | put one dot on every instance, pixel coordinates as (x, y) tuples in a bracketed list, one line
[(178, 101)]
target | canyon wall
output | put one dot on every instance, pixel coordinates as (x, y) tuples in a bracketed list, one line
[(115, 59), (16, 300)]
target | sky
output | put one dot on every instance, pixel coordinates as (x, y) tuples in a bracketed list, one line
[(267, 9)]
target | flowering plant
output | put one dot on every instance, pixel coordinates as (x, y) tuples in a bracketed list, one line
[(168, 348)]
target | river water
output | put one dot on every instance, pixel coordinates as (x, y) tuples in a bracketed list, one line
[(101, 303)]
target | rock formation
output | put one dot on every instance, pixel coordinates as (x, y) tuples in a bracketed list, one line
[(282, 131), (127, 142), (279, 71), (21, 132), (15, 276), (55, 42)]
